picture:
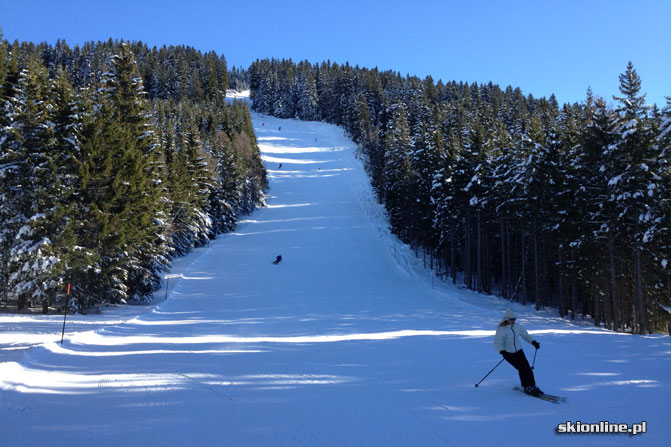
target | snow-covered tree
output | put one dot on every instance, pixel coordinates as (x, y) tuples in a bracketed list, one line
[(633, 181), (427, 147), (307, 102), (663, 143), (523, 192), (397, 170), (30, 177)]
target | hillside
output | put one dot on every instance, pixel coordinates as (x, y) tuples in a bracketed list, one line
[(348, 341)]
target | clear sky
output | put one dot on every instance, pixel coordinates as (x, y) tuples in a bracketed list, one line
[(541, 46)]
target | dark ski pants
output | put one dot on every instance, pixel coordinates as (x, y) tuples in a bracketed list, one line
[(521, 364)]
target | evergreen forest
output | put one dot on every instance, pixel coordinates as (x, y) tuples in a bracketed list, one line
[(114, 159), (565, 206)]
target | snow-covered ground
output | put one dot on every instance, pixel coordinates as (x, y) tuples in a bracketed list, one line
[(347, 342)]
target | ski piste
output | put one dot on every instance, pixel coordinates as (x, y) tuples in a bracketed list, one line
[(345, 343), (544, 396)]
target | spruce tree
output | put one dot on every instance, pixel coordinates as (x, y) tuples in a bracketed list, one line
[(225, 201), (199, 185), (397, 171), (76, 255), (663, 197), (307, 106), (139, 194), (95, 213), (120, 188), (30, 189), (446, 219), (632, 179), (427, 146)]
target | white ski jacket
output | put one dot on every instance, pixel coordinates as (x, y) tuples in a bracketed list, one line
[(507, 338)]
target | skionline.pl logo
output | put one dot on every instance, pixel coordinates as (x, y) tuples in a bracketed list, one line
[(602, 427)]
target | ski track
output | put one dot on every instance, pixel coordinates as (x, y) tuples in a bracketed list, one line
[(347, 342)]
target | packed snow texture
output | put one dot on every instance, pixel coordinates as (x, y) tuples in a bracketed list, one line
[(348, 341)]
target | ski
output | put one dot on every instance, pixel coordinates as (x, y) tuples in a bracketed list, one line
[(544, 396)]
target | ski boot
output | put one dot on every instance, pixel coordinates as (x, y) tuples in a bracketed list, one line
[(533, 390)]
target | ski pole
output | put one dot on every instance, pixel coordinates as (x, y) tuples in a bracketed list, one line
[(534, 363), (476, 385)]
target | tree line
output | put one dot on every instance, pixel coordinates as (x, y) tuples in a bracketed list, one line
[(565, 206), (114, 159)]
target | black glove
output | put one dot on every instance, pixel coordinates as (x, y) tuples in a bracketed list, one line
[(536, 344), (504, 354)]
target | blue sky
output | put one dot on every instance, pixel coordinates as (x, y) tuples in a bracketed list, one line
[(543, 47)]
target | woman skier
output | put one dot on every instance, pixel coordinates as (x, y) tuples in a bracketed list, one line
[(507, 342)]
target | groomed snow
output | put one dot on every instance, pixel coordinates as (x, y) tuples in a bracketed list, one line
[(347, 342)]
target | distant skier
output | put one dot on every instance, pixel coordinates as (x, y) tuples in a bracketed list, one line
[(278, 259), (280, 166), (507, 343), (279, 128)]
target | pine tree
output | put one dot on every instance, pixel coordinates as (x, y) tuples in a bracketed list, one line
[(446, 220), (502, 158), (198, 184), (632, 179), (178, 184), (139, 194), (31, 180), (10, 153), (95, 213), (225, 201), (120, 189), (68, 224), (397, 171), (598, 231), (427, 146), (521, 192), (472, 200), (4, 64), (663, 197), (359, 125), (307, 102)]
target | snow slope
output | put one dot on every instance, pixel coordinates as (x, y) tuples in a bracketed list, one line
[(347, 342)]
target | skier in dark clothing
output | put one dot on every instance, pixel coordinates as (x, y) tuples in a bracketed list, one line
[(278, 259), (507, 342)]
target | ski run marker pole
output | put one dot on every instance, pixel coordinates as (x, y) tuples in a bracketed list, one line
[(65, 314)]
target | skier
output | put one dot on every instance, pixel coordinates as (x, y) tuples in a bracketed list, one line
[(507, 342), (278, 259)]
